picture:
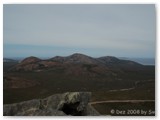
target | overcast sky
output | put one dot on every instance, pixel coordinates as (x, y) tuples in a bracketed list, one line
[(95, 30)]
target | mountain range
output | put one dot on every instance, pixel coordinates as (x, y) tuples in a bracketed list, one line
[(36, 64)]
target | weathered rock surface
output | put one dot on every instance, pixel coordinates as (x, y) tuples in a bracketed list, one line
[(70, 103)]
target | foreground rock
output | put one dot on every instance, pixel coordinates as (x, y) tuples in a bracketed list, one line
[(70, 103)]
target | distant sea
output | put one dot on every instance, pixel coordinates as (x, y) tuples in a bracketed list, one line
[(143, 61)]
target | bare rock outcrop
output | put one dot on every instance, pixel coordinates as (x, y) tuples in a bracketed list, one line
[(70, 103)]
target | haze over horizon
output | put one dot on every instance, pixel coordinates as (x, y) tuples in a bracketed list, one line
[(95, 30)]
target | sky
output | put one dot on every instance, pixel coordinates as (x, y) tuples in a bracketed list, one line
[(48, 30)]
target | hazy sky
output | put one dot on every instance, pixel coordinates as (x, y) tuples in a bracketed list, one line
[(96, 30)]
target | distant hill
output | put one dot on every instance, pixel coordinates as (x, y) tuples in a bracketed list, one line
[(29, 60), (110, 60), (76, 62), (9, 63), (9, 60), (76, 58)]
